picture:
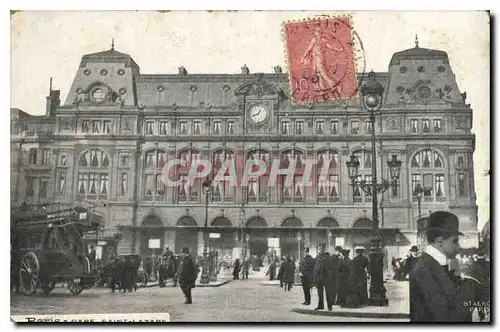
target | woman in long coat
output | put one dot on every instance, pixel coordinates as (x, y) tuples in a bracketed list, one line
[(236, 269), (288, 274), (343, 279), (357, 284)]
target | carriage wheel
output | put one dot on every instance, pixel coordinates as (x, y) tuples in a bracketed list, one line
[(29, 273), (75, 287), (48, 286)]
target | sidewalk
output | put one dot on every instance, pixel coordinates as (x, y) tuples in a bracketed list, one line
[(170, 283), (399, 305)]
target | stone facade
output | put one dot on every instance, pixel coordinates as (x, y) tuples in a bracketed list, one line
[(109, 142)]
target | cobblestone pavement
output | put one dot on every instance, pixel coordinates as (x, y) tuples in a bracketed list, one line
[(239, 300)]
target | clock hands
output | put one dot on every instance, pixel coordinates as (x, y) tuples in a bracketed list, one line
[(255, 114)]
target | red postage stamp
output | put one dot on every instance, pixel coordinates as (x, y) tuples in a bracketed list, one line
[(321, 60)]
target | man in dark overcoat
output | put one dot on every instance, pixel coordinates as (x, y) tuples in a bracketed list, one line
[(187, 275), (332, 269), (435, 296), (306, 275), (412, 259), (344, 274), (320, 275)]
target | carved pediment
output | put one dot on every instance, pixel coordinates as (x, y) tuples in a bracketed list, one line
[(258, 89)]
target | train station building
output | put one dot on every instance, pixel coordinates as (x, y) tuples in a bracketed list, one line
[(110, 140)]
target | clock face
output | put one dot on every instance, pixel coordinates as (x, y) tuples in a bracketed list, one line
[(259, 113)]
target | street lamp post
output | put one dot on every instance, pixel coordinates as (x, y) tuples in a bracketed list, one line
[(418, 193), (299, 238), (242, 218), (398, 238), (207, 190), (371, 96), (247, 247)]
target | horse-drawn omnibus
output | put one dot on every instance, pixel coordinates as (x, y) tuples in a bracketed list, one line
[(48, 246)]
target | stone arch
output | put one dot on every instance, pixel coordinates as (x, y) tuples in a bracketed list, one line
[(292, 222), (256, 222), (105, 161), (186, 221), (362, 223), (328, 222), (221, 221), (152, 220), (433, 149)]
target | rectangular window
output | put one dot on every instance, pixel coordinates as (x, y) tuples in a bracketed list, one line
[(106, 128), (82, 184), (96, 127), (461, 185), (149, 185), (62, 183), (30, 186), (439, 185), (427, 186), (354, 127), (160, 186), (217, 128), (426, 128), (33, 153), (63, 161), (285, 127), (460, 162), (334, 127), (197, 128), (123, 159), (149, 127), (368, 180), (320, 126), (123, 184), (183, 188), (333, 190), (437, 126), (44, 187), (85, 126), (230, 127), (93, 185), (414, 126), (45, 156), (368, 127), (163, 128), (415, 180), (299, 127), (183, 128), (103, 184)]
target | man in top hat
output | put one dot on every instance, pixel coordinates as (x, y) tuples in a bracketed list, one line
[(306, 275), (187, 275), (434, 295)]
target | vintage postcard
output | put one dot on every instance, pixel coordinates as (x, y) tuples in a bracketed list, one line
[(250, 166)]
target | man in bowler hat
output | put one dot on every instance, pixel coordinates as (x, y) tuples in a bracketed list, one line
[(187, 275), (320, 275), (412, 259), (306, 275), (435, 296)]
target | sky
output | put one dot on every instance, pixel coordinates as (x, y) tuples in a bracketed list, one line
[(48, 44)]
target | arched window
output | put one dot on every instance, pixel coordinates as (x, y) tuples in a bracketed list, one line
[(222, 190), (154, 186), (93, 175), (427, 170), (364, 173), (258, 187), (295, 192), (188, 192), (327, 176)]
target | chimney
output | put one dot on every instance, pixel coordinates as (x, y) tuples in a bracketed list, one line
[(53, 102), (278, 70), (182, 71), (245, 70)]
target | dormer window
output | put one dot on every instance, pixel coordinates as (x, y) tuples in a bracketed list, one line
[(98, 95)]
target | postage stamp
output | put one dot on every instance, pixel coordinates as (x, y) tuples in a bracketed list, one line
[(321, 59)]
